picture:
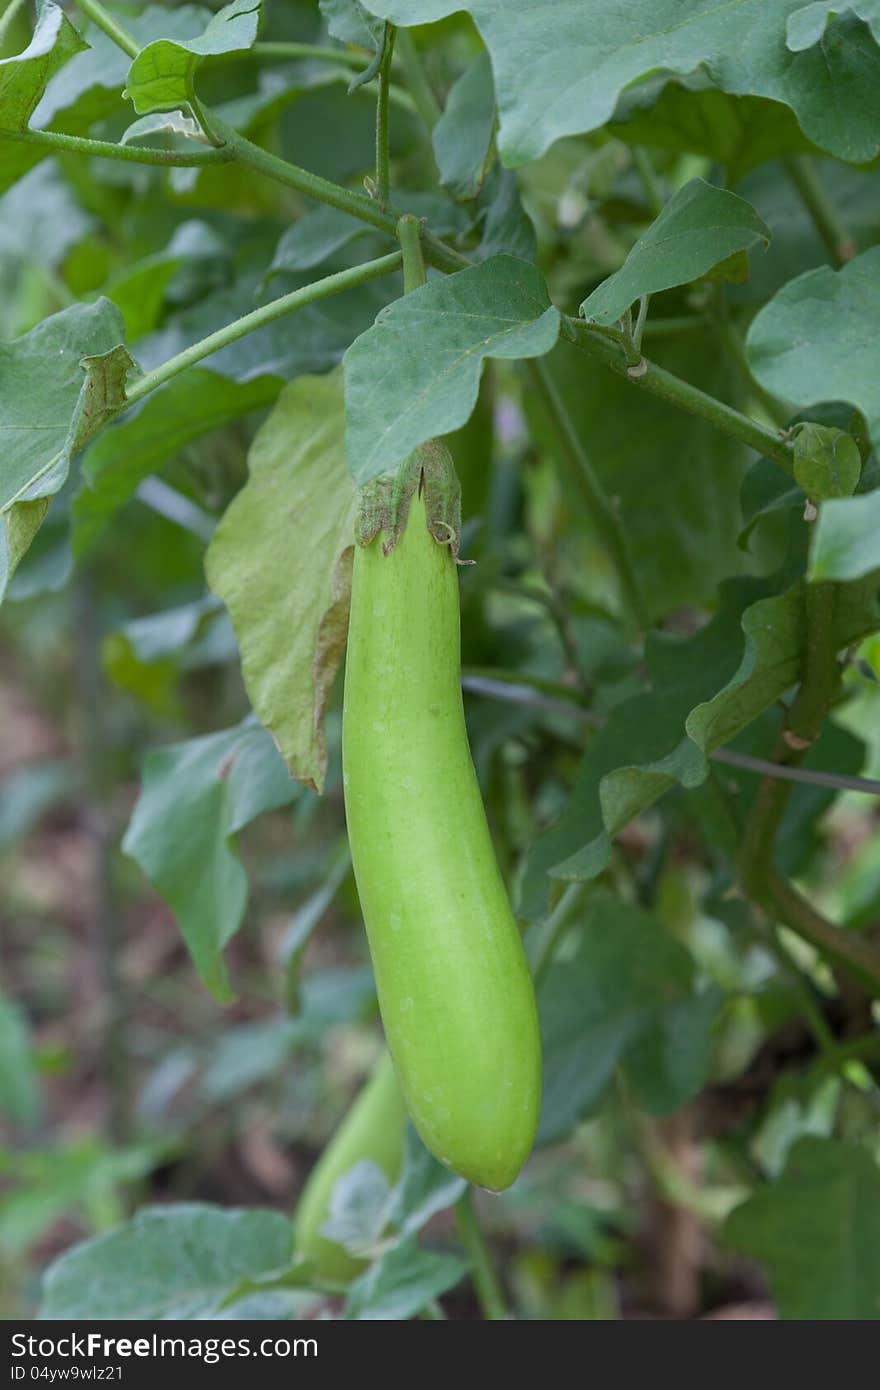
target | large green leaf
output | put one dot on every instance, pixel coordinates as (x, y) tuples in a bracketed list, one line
[(194, 798), (181, 1261), (48, 413), (699, 227), (625, 998), (817, 1229), (416, 373), (281, 561), (560, 68), (816, 340)]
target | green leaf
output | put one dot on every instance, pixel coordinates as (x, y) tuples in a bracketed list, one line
[(827, 462), (288, 595), (738, 133), (625, 998), (148, 439), (161, 76), (402, 1283), (705, 689), (560, 69), (846, 538), (815, 340), (47, 415), (194, 798), (817, 1229), (23, 78), (463, 135), (699, 228), (416, 373), (181, 1262), (20, 1098)]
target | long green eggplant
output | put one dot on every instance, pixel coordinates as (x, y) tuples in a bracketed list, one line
[(374, 1128), (454, 989)]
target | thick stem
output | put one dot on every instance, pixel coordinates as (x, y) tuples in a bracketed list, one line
[(426, 103), (258, 318), (111, 27), (821, 674), (602, 513), (658, 382), (105, 149), (409, 234), (849, 949), (826, 219), (488, 1289)]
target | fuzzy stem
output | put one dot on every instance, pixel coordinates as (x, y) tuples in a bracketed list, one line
[(105, 149), (658, 382), (111, 27)]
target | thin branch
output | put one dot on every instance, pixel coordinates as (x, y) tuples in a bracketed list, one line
[(258, 318), (129, 154), (357, 205), (383, 129), (111, 27), (835, 780), (658, 382)]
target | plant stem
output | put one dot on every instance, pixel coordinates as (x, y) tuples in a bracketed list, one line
[(602, 513), (426, 103), (821, 674), (383, 133), (869, 786), (120, 36), (777, 411), (826, 219), (367, 210), (658, 382), (488, 1289), (258, 318), (847, 948), (106, 149), (409, 235)]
